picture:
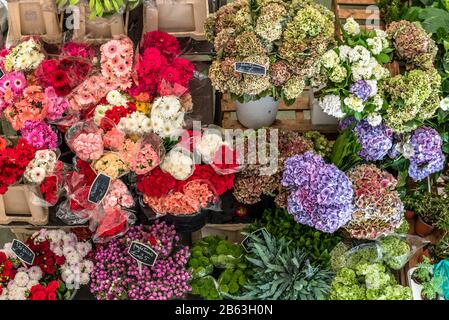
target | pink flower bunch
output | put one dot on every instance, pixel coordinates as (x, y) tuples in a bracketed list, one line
[(117, 61), (56, 105), (114, 139), (90, 92), (77, 49), (118, 196), (116, 274), (13, 81), (196, 195), (88, 146), (146, 160), (39, 135)]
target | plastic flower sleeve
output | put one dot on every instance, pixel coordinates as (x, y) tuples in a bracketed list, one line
[(441, 270), (363, 253), (85, 139), (397, 249), (148, 155), (110, 223)]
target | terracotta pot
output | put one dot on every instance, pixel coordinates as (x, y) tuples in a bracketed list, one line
[(409, 214), (423, 229)]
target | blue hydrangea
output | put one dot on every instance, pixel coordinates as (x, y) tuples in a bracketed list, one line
[(375, 141), (361, 89), (320, 194)]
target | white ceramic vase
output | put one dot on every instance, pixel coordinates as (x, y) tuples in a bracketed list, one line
[(258, 113)]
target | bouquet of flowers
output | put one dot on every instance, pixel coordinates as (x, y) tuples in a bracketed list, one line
[(86, 140), (149, 154), (116, 276), (25, 57), (320, 194), (61, 264), (377, 207), (284, 39), (352, 72), (13, 163)]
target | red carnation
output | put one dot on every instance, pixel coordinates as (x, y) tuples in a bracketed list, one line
[(2, 257), (60, 260), (52, 286)]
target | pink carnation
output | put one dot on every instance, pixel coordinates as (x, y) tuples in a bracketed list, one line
[(88, 146)]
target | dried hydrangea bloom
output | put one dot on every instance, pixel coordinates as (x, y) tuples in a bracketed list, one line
[(412, 43), (279, 73), (377, 206), (269, 22), (248, 44)]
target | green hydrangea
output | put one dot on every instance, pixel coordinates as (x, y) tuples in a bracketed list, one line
[(395, 251)]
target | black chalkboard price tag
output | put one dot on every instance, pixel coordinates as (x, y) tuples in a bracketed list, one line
[(258, 233), (250, 68), (23, 252), (99, 188), (1, 73), (142, 253)]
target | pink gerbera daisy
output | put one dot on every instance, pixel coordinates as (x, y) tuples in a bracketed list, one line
[(111, 49)]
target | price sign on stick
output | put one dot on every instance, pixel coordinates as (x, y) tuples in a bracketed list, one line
[(99, 188), (250, 68), (23, 252), (143, 254)]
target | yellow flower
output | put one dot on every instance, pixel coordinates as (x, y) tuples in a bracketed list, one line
[(143, 106)]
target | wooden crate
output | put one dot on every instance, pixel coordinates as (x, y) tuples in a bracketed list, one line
[(99, 29), (183, 18), (17, 205), (33, 18), (231, 232), (295, 117), (365, 12)]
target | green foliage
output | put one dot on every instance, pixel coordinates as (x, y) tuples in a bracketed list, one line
[(441, 249), (321, 145), (344, 153), (433, 209), (392, 10), (403, 228), (431, 290), (423, 272), (215, 258), (284, 273), (282, 225)]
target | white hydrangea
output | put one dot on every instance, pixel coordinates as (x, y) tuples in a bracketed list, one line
[(444, 104), (330, 59), (331, 105), (351, 26), (374, 119), (360, 55), (375, 45), (360, 72), (378, 101), (344, 52), (354, 103), (338, 74), (380, 72)]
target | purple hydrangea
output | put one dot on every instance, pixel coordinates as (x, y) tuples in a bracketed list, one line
[(375, 141), (39, 135), (427, 155), (361, 89), (320, 194)]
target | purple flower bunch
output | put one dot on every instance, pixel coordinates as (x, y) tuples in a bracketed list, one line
[(427, 155), (375, 141), (320, 194), (40, 135), (361, 89), (117, 276)]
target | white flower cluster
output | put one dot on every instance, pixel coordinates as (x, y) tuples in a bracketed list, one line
[(26, 56), (114, 98), (76, 269), (178, 163), (351, 27), (379, 43), (42, 165), (208, 146), (24, 280), (137, 123), (444, 104), (167, 116), (331, 105)]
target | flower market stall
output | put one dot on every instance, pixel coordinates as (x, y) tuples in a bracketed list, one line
[(148, 157)]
